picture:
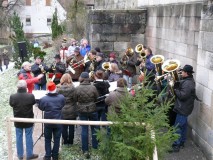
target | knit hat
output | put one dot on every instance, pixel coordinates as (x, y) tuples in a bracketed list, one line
[(51, 87), (84, 75), (112, 55), (100, 54)]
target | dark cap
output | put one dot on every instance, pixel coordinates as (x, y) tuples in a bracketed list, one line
[(57, 56), (100, 54), (77, 49), (97, 49), (188, 68), (84, 75)]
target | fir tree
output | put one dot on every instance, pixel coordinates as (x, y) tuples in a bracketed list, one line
[(130, 137), (17, 27), (57, 29)]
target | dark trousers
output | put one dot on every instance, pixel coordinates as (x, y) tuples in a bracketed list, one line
[(68, 133), (48, 133)]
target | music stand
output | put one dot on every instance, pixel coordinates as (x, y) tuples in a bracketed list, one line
[(42, 129)]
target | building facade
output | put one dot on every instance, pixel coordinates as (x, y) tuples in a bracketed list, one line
[(36, 15)]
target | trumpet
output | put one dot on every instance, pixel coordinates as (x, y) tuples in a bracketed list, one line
[(42, 69)]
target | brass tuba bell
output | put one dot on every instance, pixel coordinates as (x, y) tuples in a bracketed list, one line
[(140, 50), (158, 61), (106, 66), (129, 51)]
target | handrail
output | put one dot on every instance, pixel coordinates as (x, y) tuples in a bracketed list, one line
[(69, 122)]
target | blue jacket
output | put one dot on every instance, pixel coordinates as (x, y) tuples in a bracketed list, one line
[(52, 105)]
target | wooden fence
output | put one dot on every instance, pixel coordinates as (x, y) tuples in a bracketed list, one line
[(51, 121)]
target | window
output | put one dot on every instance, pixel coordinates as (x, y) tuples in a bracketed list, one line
[(48, 2), (28, 21), (49, 21), (28, 2)]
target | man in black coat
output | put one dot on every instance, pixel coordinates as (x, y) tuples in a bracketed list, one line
[(39, 68), (184, 104), (22, 103)]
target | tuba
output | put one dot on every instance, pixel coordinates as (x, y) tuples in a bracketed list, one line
[(171, 66), (106, 66), (140, 50), (158, 61)]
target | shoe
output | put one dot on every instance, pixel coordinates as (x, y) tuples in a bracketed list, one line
[(55, 158), (182, 145), (33, 156), (87, 155), (175, 148), (20, 158), (46, 158)]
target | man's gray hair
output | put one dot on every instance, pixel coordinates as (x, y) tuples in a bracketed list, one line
[(22, 84), (25, 64)]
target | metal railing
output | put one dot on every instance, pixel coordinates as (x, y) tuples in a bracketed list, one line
[(68, 122)]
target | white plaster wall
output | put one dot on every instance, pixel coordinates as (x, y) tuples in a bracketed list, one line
[(39, 12)]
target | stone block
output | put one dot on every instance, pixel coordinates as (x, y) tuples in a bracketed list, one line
[(201, 57), (172, 22), (95, 37), (119, 18), (152, 21), (152, 11), (97, 28), (180, 49), (189, 10), (200, 40), (107, 28), (196, 38), (107, 38), (170, 46), (136, 17), (192, 51), (121, 46), (167, 11), (138, 38), (206, 114), (194, 23), (177, 10), (182, 23), (206, 25), (210, 84), (103, 45), (123, 37), (159, 33), (207, 41), (202, 75), (209, 60)]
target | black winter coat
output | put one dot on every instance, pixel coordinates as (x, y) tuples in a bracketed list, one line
[(36, 71), (103, 89), (22, 103), (69, 109), (185, 96)]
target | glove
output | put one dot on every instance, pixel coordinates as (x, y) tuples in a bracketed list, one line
[(176, 85)]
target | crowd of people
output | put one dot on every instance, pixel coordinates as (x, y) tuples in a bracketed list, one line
[(91, 100)]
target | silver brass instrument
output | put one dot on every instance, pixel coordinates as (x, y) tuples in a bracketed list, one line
[(140, 50), (129, 52), (53, 66), (171, 66)]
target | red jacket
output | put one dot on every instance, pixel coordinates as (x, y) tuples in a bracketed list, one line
[(25, 75)]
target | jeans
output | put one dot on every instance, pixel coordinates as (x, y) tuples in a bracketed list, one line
[(48, 132), (128, 80), (29, 142), (181, 124), (68, 133), (40, 86), (84, 131)]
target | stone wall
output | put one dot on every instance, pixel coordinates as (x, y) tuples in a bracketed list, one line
[(116, 30), (201, 120), (115, 4)]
